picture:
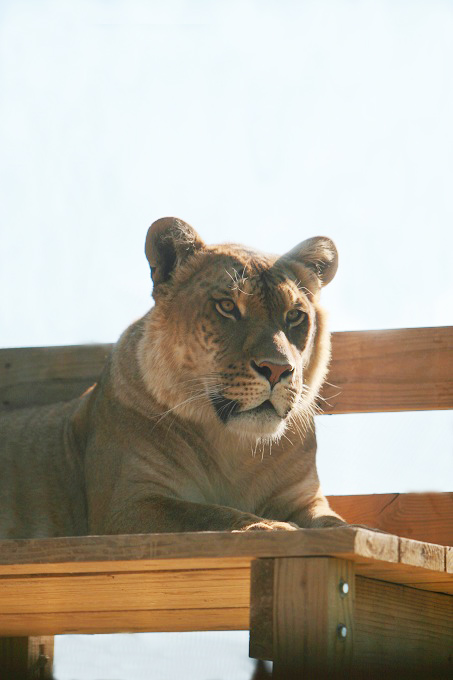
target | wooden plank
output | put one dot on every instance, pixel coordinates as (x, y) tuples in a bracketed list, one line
[(421, 565), (76, 589), (373, 552), (198, 545), (35, 376), (410, 575), (313, 629), (113, 566), (422, 516), (408, 369), (402, 632), (391, 370), (346, 541), (168, 590), (86, 603), (398, 631), (136, 621), (26, 658), (420, 554), (66, 573)]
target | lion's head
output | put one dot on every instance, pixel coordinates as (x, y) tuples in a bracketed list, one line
[(236, 339)]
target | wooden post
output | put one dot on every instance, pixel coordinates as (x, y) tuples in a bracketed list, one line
[(313, 618), (396, 632), (301, 616), (26, 658)]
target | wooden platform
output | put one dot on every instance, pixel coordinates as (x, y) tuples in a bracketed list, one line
[(202, 581), (331, 603)]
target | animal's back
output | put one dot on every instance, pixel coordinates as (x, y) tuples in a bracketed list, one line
[(41, 479)]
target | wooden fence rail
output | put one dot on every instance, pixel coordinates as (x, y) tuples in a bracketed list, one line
[(389, 370)]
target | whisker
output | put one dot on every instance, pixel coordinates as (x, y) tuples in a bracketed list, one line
[(284, 435), (332, 385), (182, 403)]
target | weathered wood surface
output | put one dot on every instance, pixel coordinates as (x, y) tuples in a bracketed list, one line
[(178, 581), (215, 599), (313, 621), (402, 629), (34, 376), (422, 516), (198, 545), (391, 370), (409, 369), (396, 632)]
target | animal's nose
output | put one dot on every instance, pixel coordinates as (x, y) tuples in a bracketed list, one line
[(273, 372)]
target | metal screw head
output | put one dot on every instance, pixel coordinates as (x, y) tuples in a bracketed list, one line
[(342, 631), (344, 588)]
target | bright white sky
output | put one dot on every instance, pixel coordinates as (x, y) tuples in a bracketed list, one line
[(260, 122)]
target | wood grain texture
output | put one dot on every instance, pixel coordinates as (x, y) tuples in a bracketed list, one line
[(124, 566), (421, 516), (391, 370), (402, 631), (130, 548), (373, 553), (398, 631), (51, 586), (415, 576), (197, 589), (123, 621), (308, 612), (408, 369), (35, 376), (125, 602), (189, 545)]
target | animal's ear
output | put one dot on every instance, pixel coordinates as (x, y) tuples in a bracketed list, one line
[(319, 255), (169, 242)]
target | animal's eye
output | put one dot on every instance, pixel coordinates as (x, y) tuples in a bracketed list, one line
[(228, 308), (295, 316)]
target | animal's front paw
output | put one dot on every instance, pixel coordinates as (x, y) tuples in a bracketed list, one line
[(267, 525)]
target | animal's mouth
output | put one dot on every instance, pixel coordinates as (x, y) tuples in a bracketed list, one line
[(228, 408), (266, 406), (225, 408)]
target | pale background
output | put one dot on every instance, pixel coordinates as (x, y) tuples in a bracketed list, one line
[(259, 122)]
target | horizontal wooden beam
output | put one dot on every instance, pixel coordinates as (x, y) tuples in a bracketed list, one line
[(126, 591), (167, 549), (35, 376), (422, 516), (390, 370), (401, 632), (178, 581), (213, 550), (409, 369), (134, 621)]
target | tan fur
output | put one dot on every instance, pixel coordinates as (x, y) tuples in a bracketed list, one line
[(146, 450)]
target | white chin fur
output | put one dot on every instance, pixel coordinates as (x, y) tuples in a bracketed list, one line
[(265, 426)]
